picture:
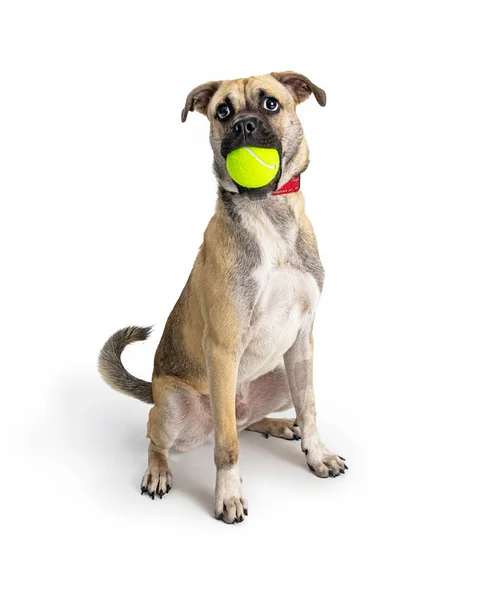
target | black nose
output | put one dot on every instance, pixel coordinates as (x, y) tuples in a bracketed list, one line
[(245, 126)]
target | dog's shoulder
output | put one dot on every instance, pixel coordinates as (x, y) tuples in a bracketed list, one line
[(307, 251), (229, 248)]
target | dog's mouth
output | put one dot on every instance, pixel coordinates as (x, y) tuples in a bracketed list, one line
[(270, 141), (254, 189), (261, 137), (260, 193)]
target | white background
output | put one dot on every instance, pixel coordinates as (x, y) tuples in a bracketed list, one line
[(104, 199)]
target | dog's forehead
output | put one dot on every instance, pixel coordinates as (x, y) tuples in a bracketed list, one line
[(240, 90), (265, 83)]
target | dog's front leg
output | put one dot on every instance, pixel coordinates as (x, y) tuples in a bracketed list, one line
[(298, 362), (222, 364)]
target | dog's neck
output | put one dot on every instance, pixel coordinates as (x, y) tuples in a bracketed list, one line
[(237, 207), (289, 187)]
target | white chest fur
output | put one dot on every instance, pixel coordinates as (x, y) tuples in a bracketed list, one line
[(286, 302), (285, 307)]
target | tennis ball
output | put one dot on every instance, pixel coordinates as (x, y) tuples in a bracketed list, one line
[(253, 167)]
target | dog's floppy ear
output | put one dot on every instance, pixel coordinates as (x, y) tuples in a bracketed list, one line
[(199, 98), (300, 86)]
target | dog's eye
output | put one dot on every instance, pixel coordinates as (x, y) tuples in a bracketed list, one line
[(223, 111), (271, 104)]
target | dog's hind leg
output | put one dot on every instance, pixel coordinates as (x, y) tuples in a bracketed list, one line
[(281, 428), (270, 393), (169, 424), (157, 478)]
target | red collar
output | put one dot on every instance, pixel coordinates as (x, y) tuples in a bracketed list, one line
[(288, 188)]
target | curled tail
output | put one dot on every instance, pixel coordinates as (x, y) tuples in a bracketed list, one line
[(112, 370)]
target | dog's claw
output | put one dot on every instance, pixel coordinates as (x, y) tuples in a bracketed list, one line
[(168, 488), (346, 467), (266, 435), (143, 490), (296, 437), (239, 519), (152, 495), (341, 457)]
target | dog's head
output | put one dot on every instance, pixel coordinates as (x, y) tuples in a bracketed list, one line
[(260, 112)]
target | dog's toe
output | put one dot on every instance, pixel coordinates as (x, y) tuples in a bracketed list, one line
[(327, 465), (234, 510), (230, 504), (156, 482), (286, 429)]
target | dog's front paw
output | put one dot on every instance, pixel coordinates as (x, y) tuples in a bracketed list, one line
[(324, 463), (230, 504)]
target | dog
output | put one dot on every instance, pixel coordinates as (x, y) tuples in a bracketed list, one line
[(238, 344)]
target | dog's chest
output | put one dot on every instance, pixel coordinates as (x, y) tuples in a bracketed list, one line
[(285, 305)]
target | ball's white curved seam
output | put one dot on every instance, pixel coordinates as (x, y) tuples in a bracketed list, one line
[(259, 159)]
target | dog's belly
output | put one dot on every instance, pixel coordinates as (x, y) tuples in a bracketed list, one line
[(285, 306)]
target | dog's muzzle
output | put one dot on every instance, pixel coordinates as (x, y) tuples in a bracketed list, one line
[(249, 129)]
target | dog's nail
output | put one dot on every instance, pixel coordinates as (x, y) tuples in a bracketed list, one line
[(346, 467), (311, 468), (168, 488), (306, 451), (241, 519), (341, 457), (341, 471), (152, 496), (266, 435), (296, 437), (160, 494), (245, 511), (143, 490)]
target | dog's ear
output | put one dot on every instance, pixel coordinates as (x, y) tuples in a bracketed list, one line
[(199, 98), (300, 86)]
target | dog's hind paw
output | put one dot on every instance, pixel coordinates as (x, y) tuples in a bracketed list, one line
[(280, 428), (156, 482)]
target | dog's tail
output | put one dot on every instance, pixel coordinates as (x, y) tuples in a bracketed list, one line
[(112, 370)]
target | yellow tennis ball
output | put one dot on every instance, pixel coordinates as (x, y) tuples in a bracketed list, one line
[(253, 167)]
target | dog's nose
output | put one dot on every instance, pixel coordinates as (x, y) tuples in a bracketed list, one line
[(245, 126)]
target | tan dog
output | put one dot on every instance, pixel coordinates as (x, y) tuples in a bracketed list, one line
[(238, 344)]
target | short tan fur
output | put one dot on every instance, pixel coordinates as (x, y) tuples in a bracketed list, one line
[(238, 344)]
